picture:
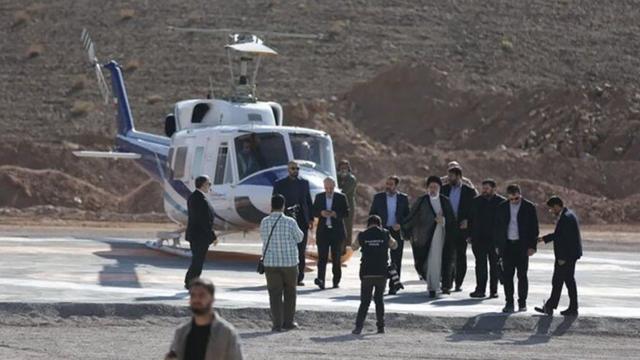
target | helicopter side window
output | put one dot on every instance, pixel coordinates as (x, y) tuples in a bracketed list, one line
[(180, 162), (259, 151), (196, 168), (224, 170)]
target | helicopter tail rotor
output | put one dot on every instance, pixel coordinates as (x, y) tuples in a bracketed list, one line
[(93, 61)]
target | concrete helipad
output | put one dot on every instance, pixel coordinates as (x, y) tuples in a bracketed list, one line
[(110, 270)]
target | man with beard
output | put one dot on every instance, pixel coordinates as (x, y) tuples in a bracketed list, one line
[(516, 237), (348, 183), (207, 336), (432, 226), (392, 207), (481, 221), (567, 248), (461, 198), (296, 192)]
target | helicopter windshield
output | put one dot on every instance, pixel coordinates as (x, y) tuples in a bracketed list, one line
[(259, 151), (313, 150)]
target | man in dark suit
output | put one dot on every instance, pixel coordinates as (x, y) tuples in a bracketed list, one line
[(516, 236), (392, 207), (461, 198), (199, 232), (296, 192), (482, 219), (331, 208), (567, 248)]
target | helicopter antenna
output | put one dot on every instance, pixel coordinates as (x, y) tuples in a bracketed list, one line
[(318, 36), (93, 61)]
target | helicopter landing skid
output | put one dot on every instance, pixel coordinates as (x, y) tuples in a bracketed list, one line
[(174, 248)]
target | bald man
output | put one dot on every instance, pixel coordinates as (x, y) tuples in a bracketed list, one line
[(331, 208)]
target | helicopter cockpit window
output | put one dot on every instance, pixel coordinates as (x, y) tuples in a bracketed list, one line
[(314, 150), (259, 151)]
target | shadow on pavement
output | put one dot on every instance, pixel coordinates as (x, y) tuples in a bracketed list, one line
[(483, 327), (178, 296), (542, 334), (339, 338)]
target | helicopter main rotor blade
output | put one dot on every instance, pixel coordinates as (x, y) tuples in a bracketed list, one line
[(232, 31)]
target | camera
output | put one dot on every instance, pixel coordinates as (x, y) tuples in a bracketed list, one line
[(292, 211)]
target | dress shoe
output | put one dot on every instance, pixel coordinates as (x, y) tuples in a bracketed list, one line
[(292, 326), (320, 283), (477, 294), (569, 312), (432, 294), (336, 285), (544, 310), (458, 289), (508, 308), (446, 291), (381, 330), (276, 329), (300, 283), (357, 331), (493, 296), (522, 308)]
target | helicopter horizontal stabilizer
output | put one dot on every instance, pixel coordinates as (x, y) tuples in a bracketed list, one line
[(253, 48), (107, 155)]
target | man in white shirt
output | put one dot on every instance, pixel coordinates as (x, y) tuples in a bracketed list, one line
[(516, 239)]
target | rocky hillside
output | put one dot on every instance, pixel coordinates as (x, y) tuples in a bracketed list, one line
[(536, 91)]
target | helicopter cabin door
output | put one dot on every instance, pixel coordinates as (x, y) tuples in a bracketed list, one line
[(223, 176)]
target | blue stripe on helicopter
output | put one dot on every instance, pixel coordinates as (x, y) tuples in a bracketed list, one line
[(267, 178)]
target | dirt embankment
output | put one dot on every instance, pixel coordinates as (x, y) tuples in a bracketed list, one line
[(527, 90)]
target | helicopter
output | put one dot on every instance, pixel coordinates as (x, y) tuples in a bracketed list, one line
[(240, 142)]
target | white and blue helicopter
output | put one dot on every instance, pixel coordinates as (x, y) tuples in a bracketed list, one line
[(241, 143)]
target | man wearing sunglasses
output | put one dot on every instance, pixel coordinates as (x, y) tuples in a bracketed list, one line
[(296, 192), (516, 239)]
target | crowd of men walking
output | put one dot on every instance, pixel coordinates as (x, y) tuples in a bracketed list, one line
[(503, 233)]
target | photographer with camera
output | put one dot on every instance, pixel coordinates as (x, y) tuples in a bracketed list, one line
[(376, 243), (296, 192), (280, 238)]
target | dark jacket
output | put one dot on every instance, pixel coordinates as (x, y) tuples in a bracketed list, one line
[(527, 225), (467, 194), (482, 220), (420, 224), (200, 223), (340, 206), (296, 191), (374, 244), (379, 207), (567, 242)]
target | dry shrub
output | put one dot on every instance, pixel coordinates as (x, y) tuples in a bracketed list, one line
[(34, 50), (81, 108), (79, 83), (154, 99), (127, 14), (506, 45), (21, 17), (131, 66)]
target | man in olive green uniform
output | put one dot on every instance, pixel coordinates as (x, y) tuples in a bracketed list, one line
[(347, 183)]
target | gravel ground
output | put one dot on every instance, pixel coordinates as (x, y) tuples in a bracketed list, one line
[(50, 335)]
